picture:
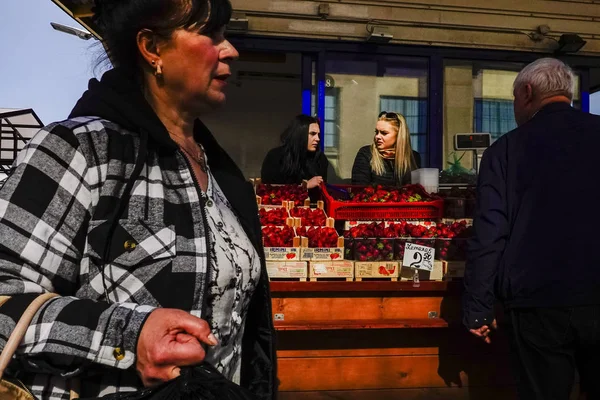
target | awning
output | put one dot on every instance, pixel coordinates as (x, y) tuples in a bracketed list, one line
[(81, 11)]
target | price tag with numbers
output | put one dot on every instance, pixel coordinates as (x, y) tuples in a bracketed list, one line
[(418, 257)]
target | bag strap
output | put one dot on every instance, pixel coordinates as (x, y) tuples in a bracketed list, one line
[(19, 332)]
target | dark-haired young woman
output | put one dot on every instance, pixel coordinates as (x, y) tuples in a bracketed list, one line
[(134, 215), (298, 158)]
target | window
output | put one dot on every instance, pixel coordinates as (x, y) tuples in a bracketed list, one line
[(331, 123), (414, 109), (362, 85), (494, 116)]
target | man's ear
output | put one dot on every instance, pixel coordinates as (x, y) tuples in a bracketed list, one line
[(148, 48), (528, 93)]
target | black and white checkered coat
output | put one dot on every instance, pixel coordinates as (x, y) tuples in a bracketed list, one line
[(55, 212)]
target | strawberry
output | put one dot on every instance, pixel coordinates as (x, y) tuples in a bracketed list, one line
[(319, 236), (273, 217), (278, 236), (274, 195), (374, 249), (310, 217), (381, 194)]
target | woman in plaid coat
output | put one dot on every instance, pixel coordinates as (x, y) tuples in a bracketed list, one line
[(139, 220)]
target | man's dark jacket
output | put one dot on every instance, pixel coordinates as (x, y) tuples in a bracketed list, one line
[(536, 235)]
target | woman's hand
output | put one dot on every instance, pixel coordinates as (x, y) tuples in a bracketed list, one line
[(170, 339), (314, 182)]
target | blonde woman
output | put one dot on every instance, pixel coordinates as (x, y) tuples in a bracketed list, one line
[(389, 159)]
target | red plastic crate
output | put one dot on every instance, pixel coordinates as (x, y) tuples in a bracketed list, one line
[(344, 210)]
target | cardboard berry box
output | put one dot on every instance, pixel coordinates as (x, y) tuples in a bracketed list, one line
[(287, 270), (275, 215), (331, 269), (321, 244), (281, 243), (307, 216), (382, 269)]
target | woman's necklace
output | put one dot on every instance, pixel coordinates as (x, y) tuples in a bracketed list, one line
[(198, 157)]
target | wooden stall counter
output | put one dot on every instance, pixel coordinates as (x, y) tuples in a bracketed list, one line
[(383, 340)]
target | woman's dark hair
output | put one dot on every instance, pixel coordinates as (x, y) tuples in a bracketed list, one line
[(119, 21), (295, 143)]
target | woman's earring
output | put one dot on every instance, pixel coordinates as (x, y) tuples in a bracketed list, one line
[(158, 71)]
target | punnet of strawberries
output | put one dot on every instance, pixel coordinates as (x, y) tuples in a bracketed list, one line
[(278, 236), (382, 194), (274, 195), (273, 216), (319, 236), (309, 216)]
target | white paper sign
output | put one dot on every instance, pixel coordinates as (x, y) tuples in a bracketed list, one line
[(320, 269), (419, 257)]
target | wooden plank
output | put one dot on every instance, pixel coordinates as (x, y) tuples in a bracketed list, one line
[(542, 8), (404, 351), (389, 342), (362, 308), (353, 324), (391, 372), (451, 393), (409, 33), (365, 286)]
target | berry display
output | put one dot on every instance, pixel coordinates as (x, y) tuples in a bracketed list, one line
[(319, 236), (310, 217), (273, 217), (276, 236), (372, 242), (274, 195), (382, 194)]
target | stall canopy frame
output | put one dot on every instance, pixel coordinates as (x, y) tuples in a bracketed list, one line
[(17, 127)]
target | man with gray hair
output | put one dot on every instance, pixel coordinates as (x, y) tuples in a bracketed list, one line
[(535, 243)]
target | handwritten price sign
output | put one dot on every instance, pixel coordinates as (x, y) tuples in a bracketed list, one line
[(418, 257)]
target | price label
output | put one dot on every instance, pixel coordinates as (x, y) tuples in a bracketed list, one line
[(418, 257)]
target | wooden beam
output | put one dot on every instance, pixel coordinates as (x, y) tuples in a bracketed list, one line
[(366, 286), (82, 11), (360, 324)]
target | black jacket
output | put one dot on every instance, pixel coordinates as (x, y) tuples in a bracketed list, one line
[(272, 171), (363, 175), (535, 230)]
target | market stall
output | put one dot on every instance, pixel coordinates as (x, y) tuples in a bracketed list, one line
[(366, 294)]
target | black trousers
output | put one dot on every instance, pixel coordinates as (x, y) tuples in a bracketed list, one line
[(549, 344)]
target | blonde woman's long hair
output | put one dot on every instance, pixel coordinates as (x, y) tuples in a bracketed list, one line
[(404, 161)]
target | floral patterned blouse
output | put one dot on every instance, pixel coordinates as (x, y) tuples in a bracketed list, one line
[(235, 272)]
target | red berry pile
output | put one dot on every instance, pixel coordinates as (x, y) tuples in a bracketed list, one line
[(382, 194), (319, 236), (273, 217), (274, 195), (374, 249), (371, 230), (274, 236), (452, 241), (372, 242), (310, 217)]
